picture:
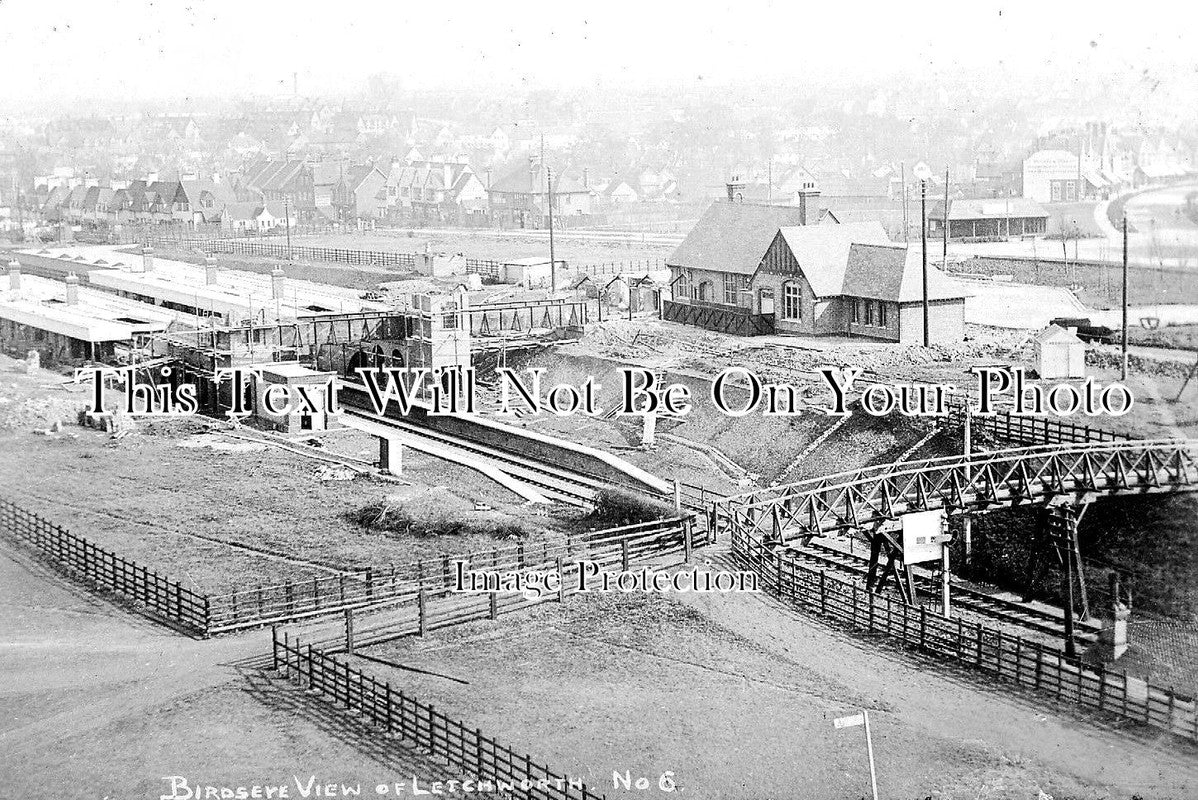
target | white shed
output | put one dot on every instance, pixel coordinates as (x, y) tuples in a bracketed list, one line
[(1060, 354)]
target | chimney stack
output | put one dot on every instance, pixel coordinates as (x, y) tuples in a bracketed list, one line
[(209, 271), (736, 190), (72, 281), (147, 259), (809, 206), (14, 275), (276, 283)]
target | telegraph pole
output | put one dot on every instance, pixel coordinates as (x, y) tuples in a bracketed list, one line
[(1123, 368), (944, 258), (923, 230), (287, 215), (552, 261)]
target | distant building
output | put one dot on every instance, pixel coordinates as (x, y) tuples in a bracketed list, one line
[(1060, 176), (988, 219), (1060, 354), (519, 199), (757, 269)]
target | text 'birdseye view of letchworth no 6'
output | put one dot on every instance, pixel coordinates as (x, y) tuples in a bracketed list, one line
[(761, 402)]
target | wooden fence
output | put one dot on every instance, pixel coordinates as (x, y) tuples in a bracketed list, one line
[(402, 584), (206, 615), (626, 268), (274, 249), (496, 767), (724, 319), (1032, 431), (157, 594), (435, 603), (1010, 658)]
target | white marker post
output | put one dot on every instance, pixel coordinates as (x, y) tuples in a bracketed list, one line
[(852, 721)]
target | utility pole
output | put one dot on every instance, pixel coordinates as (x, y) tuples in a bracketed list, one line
[(552, 261), (923, 231), (906, 219), (287, 215), (944, 258), (1123, 367)]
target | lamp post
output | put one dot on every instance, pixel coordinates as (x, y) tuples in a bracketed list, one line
[(923, 173)]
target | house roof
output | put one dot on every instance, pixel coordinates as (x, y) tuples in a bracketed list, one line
[(988, 208), (894, 273), (530, 179), (1055, 333), (732, 237), (823, 250)]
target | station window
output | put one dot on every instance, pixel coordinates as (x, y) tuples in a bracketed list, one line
[(869, 312), (792, 301), (731, 287)]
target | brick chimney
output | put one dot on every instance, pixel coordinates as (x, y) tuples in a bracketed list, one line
[(14, 275), (736, 190), (809, 206), (72, 282), (209, 271), (277, 283)]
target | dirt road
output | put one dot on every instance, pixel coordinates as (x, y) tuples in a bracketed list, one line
[(100, 704)]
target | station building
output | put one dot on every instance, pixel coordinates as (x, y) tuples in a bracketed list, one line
[(67, 323)]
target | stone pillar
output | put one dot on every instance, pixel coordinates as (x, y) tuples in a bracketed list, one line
[(390, 456)]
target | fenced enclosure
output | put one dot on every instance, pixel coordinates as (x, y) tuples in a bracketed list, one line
[(208, 614), (402, 587), (1010, 658), (405, 717), (76, 556), (277, 249), (435, 603), (722, 319)]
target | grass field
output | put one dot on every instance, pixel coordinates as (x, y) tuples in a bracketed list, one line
[(735, 696)]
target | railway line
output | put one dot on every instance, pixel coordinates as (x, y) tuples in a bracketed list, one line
[(554, 482), (977, 602)]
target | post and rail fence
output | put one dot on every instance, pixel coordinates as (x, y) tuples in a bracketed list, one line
[(1011, 658), (494, 766), (210, 614)]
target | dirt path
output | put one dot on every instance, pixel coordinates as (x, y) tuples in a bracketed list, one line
[(101, 704), (945, 705)]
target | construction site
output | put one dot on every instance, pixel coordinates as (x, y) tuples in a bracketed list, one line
[(1010, 597)]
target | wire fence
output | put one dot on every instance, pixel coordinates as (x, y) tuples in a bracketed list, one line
[(497, 767)]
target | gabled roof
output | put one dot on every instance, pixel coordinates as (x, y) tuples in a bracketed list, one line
[(530, 179), (894, 273), (732, 237), (1055, 333), (823, 251)]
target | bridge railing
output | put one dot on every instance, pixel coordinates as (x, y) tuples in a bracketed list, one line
[(1010, 658), (1019, 474)]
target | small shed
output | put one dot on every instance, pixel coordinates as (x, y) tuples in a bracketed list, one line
[(291, 414), (531, 273), (1060, 354)]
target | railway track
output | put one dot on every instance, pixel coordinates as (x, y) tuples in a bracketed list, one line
[(554, 482), (1008, 611)]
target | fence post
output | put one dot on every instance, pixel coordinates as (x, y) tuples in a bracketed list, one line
[(923, 627), (561, 581), (624, 554), (687, 540), (421, 609), (349, 631), (389, 709), (494, 599), (823, 592)]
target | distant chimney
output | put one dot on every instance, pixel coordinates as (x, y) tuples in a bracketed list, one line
[(210, 271), (14, 275), (72, 282), (736, 190), (147, 259), (586, 178), (276, 283), (809, 206)]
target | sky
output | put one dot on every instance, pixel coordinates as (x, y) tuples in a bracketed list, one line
[(137, 49)]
